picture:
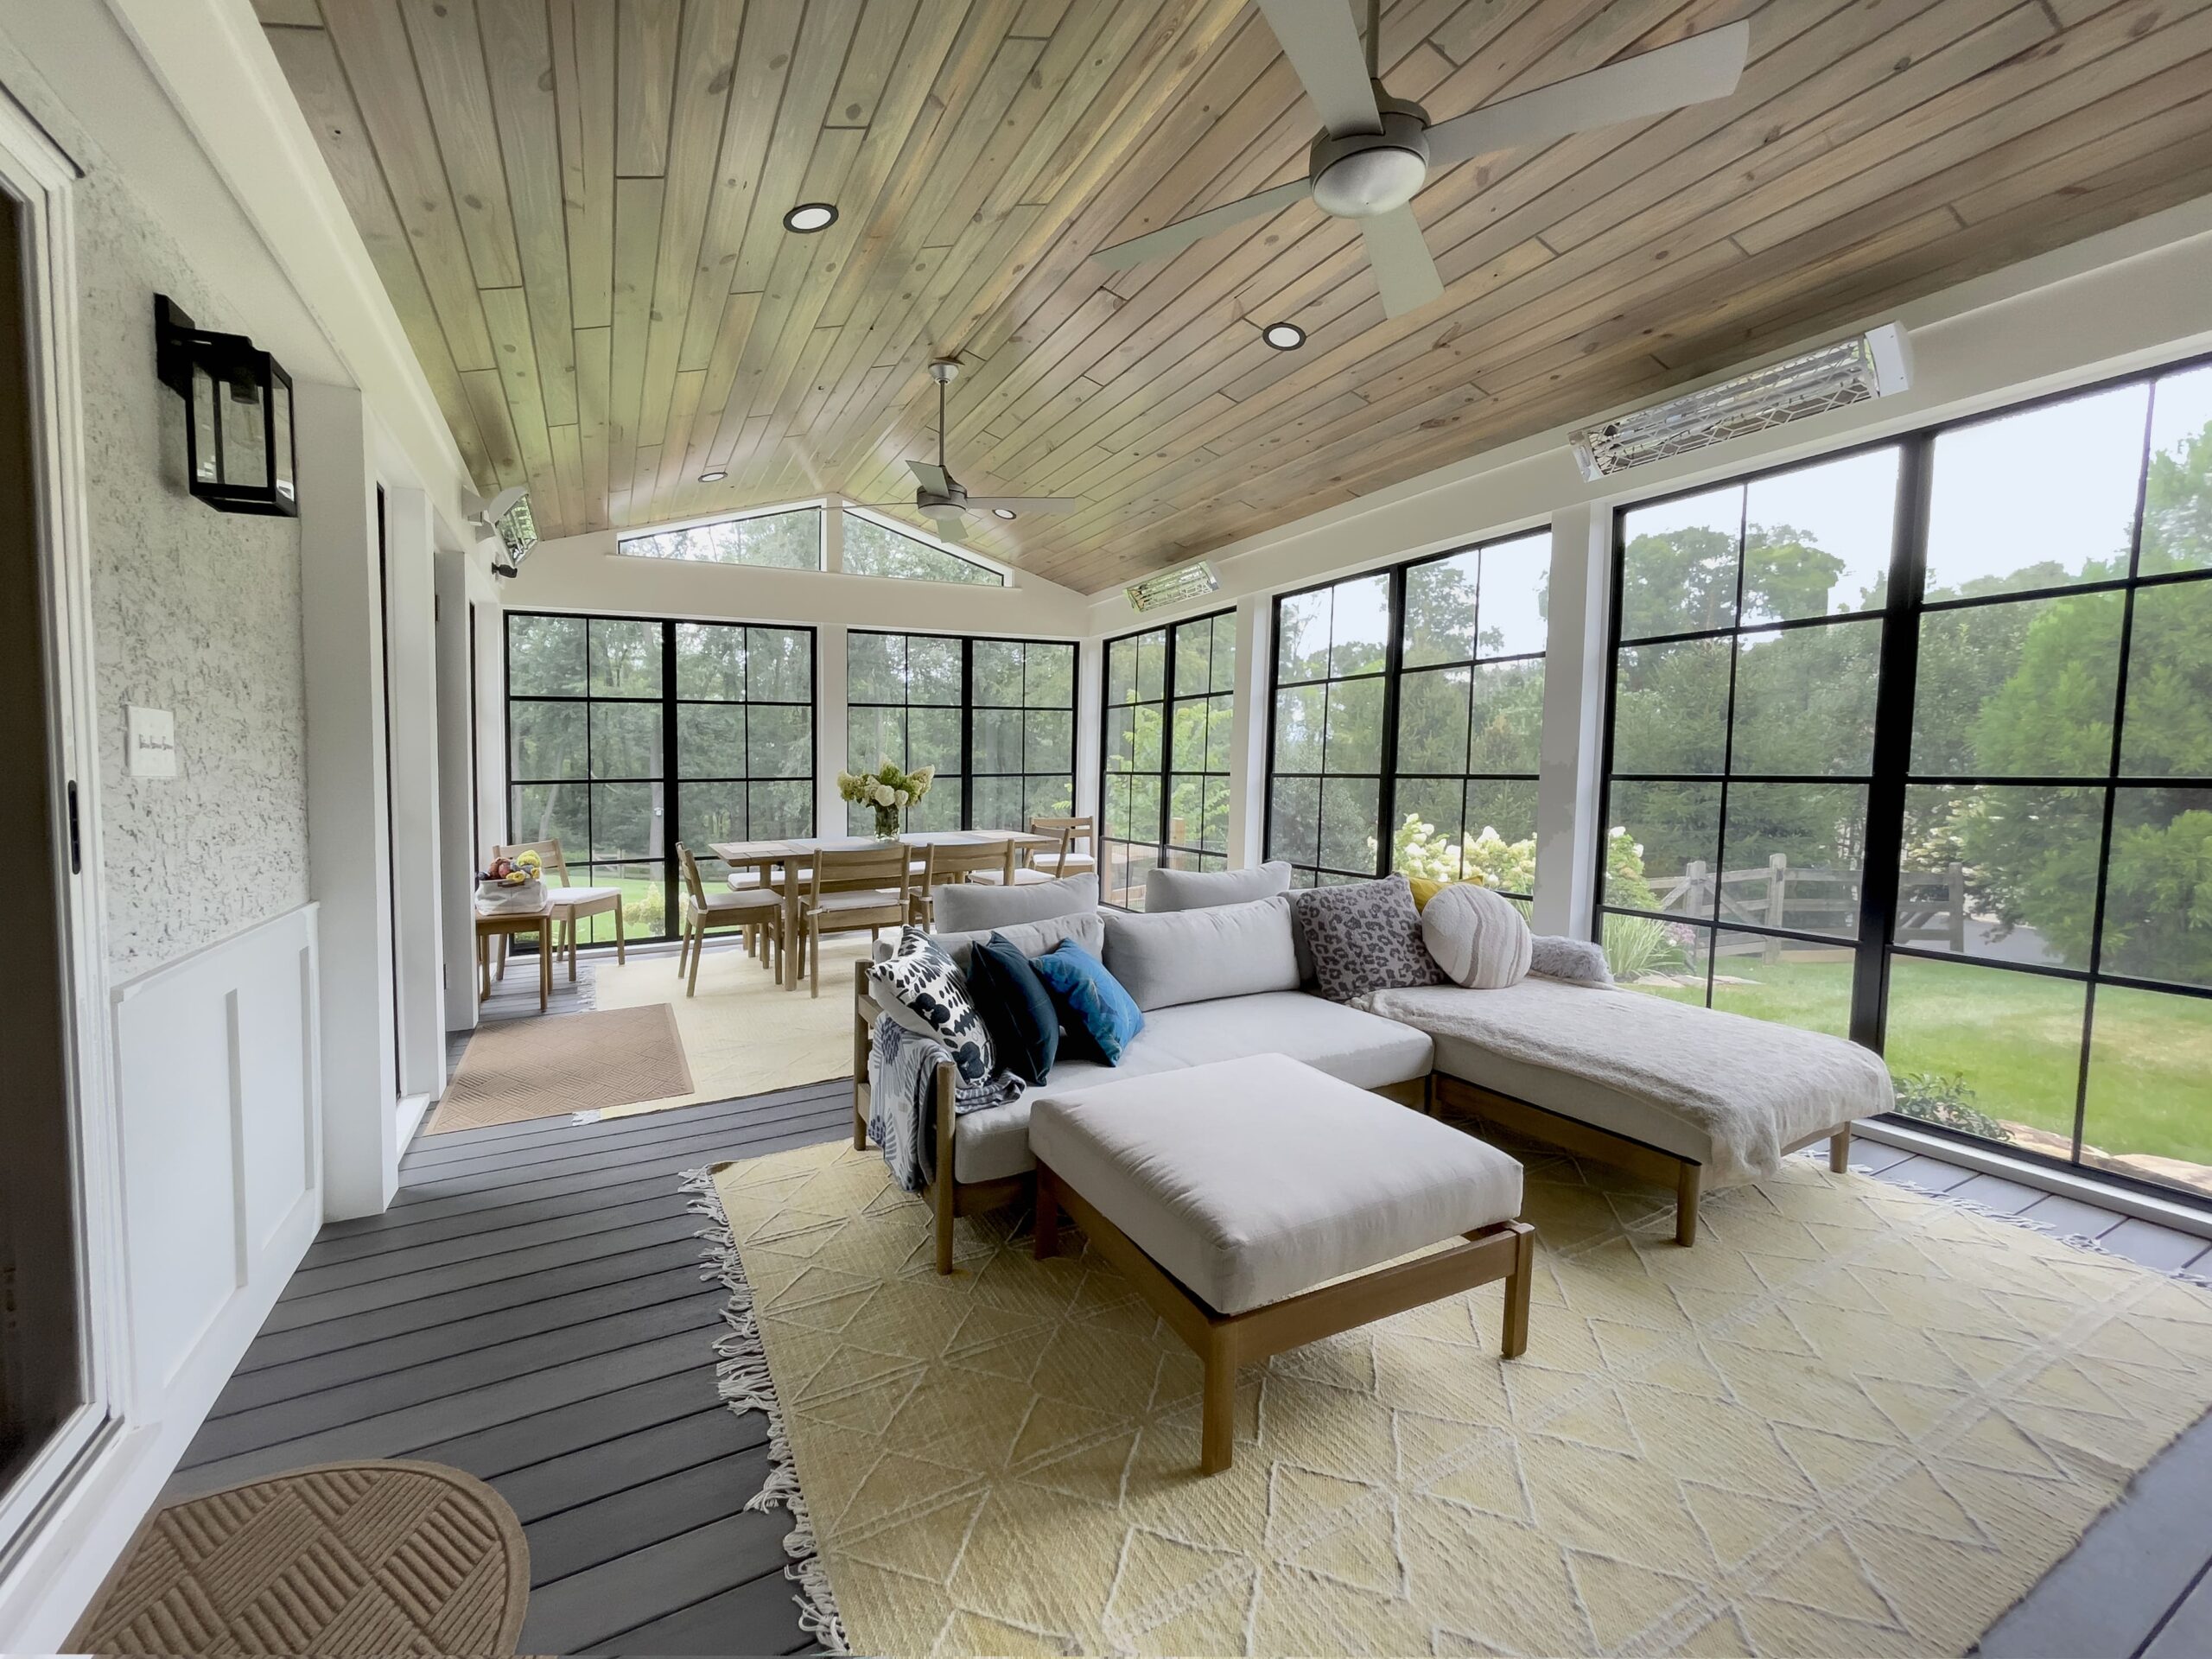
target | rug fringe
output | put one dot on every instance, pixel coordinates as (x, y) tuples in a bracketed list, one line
[(742, 1379)]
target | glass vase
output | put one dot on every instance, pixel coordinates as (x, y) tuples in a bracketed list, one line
[(886, 823)]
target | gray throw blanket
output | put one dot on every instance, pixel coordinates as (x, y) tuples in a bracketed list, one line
[(1753, 1086), (902, 1099)]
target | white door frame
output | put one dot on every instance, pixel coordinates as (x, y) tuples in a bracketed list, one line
[(41, 178)]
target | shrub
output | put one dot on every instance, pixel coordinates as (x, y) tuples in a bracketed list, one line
[(1945, 1101)]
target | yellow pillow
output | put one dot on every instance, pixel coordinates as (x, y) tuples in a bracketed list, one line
[(1424, 889)]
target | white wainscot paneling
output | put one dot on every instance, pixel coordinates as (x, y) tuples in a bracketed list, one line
[(218, 1104)]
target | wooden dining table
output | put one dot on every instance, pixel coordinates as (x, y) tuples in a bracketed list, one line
[(795, 857)]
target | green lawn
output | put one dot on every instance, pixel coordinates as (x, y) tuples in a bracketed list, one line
[(2015, 1039)]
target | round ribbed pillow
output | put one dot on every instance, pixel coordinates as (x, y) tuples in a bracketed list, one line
[(1477, 936)]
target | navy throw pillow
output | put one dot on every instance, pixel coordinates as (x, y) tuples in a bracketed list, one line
[(1016, 1008)]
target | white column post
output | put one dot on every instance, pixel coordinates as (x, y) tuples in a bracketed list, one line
[(457, 849), (1567, 782), (1089, 722), (833, 534), (412, 700), (342, 631), (830, 697), (1247, 735)]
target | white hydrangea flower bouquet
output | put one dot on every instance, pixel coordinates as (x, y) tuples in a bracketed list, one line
[(886, 788)]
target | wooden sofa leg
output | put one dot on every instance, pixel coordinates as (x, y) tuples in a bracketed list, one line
[(944, 1194), (1217, 1420), (1839, 1151), (1687, 1186), (1516, 1291)]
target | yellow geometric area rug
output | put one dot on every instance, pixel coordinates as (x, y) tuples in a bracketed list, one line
[(1853, 1421)]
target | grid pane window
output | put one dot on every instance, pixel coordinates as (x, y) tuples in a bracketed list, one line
[(1918, 752), (626, 735), (1412, 699), (1169, 708), (996, 717), (1743, 741), (903, 699), (875, 550)]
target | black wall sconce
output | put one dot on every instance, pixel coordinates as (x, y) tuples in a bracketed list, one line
[(237, 401)]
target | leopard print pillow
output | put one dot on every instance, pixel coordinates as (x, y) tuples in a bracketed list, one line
[(1364, 937)]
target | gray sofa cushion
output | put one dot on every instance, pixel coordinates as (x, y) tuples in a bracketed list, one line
[(1364, 936), (1033, 939), (1166, 891), (1196, 956), (1363, 1049), (1256, 1180), (977, 908)]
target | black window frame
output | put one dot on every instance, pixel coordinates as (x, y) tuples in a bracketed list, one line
[(668, 702), (1159, 845), (967, 707), (1904, 605), (1392, 674)]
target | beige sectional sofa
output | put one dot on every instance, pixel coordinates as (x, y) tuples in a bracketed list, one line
[(1223, 982)]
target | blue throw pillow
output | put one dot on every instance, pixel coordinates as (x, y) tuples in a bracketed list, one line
[(1091, 999), (1016, 1008)]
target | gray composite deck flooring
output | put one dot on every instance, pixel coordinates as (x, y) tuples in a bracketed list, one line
[(532, 1309)]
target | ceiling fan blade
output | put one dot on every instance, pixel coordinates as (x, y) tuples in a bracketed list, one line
[(1703, 68), (1403, 269), (931, 475), (948, 530), (1322, 43), (1173, 239), (1028, 503)]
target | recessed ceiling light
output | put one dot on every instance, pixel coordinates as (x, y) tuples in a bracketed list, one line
[(712, 478), (810, 216), (1283, 336), (1002, 512)]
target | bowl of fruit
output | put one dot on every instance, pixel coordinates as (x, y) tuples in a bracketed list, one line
[(511, 883)]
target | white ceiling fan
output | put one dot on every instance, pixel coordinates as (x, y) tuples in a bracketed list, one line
[(941, 495), (1374, 152)]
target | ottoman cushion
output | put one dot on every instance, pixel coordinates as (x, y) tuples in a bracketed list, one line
[(1253, 1180)]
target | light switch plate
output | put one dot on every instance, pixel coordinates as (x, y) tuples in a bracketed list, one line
[(150, 734)]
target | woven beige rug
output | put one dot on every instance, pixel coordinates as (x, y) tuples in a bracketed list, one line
[(1852, 1420), (546, 1067), (345, 1557)]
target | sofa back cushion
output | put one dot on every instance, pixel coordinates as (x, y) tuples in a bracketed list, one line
[(1033, 939), (1364, 936), (1477, 936), (1195, 956), (979, 907), (1166, 891)]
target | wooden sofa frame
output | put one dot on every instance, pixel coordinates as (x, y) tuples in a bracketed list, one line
[(949, 1199)]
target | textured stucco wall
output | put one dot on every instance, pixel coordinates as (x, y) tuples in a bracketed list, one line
[(195, 611)]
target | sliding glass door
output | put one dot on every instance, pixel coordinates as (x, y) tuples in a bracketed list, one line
[(1914, 745), (625, 735)]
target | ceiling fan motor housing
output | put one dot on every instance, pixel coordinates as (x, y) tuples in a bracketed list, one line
[(1361, 175)]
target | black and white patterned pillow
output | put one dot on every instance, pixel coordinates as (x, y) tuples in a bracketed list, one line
[(1364, 936), (919, 982)]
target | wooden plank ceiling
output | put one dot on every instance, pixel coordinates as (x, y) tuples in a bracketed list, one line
[(575, 206)]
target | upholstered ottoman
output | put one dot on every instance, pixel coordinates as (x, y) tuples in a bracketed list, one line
[(1259, 1204)]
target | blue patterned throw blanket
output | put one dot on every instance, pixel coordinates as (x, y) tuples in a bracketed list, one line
[(902, 1099)]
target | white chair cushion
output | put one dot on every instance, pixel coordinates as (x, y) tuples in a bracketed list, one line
[(869, 899), (1074, 864), (1254, 1180), (719, 903), (580, 895), (1023, 877)]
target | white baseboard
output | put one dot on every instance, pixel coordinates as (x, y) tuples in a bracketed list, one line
[(1994, 1160)]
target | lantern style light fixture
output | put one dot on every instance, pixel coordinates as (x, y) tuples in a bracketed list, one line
[(238, 400)]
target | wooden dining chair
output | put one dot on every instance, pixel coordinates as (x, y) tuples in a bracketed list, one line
[(571, 904), (958, 862), (758, 910), (1044, 865), (851, 889)]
